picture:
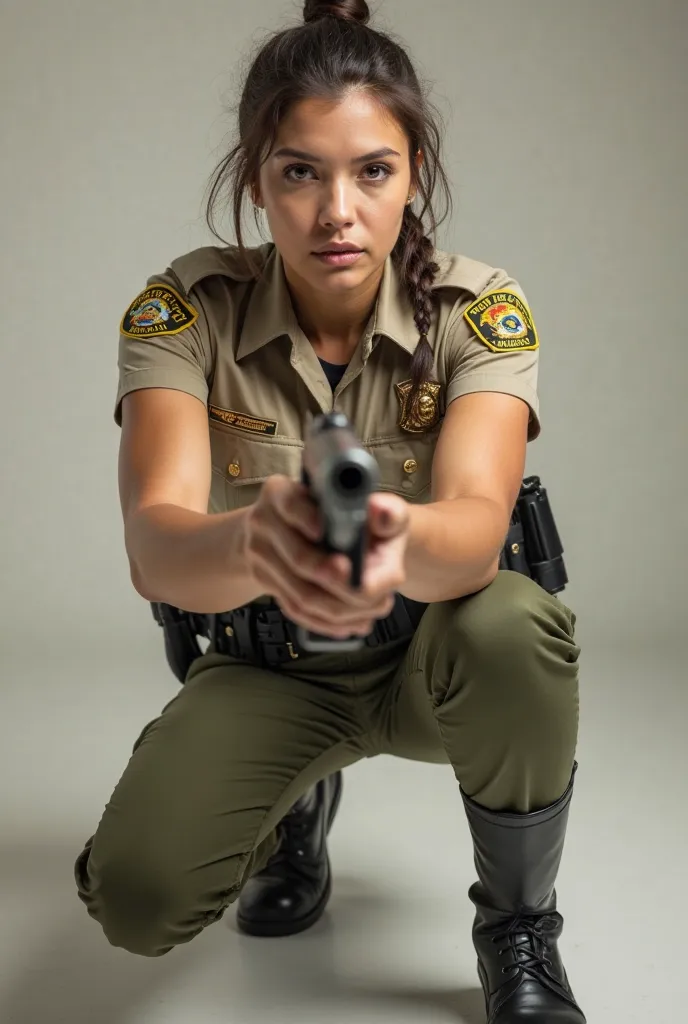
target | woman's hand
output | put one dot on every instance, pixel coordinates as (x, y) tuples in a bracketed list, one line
[(281, 546)]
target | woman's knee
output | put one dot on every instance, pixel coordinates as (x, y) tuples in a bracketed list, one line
[(512, 635), (510, 616), (511, 612), (143, 903)]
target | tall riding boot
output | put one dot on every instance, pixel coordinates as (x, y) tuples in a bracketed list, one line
[(517, 926), (291, 892)]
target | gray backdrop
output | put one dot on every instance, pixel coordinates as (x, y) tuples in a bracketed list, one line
[(568, 150)]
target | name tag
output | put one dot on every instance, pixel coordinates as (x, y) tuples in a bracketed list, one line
[(241, 420)]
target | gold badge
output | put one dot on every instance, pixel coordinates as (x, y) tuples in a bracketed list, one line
[(158, 310), (503, 322), (427, 412), (239, 419)]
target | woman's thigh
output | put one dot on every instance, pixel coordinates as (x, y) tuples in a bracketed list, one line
[(489, 684)]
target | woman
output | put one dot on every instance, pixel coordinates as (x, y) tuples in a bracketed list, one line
[(433, 358)]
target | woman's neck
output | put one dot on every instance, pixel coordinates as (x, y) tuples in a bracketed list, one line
[(333, 326)]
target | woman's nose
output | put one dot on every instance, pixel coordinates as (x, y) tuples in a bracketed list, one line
[(339, 205)]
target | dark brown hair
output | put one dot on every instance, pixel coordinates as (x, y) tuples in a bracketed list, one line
[(333, 51)]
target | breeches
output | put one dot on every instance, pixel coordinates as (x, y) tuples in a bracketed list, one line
[(488, 685)]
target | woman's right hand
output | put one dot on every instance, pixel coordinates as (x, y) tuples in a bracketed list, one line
[(282, 552)]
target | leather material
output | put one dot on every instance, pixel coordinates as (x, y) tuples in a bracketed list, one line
[(517, 925), (292, 891)]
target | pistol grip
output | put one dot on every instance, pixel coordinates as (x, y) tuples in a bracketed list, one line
[(356, 555), (314, 642)]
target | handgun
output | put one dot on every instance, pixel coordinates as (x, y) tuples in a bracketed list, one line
[(340, 475)]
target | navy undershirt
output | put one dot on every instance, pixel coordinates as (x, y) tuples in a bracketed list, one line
[(334, 372)]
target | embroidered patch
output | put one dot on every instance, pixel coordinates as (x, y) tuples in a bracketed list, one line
[(239, 419), (158, 310), (503, 322), (427, 413)]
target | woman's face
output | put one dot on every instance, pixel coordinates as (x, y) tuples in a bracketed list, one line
[(339, 172)]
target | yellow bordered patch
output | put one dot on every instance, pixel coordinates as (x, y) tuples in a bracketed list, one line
[(158, 310), (242, 421), (503, 322)]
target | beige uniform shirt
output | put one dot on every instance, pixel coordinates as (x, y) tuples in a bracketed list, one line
[(205, 327)]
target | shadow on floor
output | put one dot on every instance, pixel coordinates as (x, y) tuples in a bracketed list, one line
[(59, 968), (462, 1006), (346, 967)]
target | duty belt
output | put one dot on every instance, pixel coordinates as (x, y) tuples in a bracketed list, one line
[(262, 635)]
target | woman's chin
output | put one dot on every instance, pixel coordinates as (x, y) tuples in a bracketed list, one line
[(339, 280)]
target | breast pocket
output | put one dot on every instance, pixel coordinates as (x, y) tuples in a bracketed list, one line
[(405, 465), (242, 463)]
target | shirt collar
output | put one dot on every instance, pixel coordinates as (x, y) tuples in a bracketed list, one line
[(270, 313)]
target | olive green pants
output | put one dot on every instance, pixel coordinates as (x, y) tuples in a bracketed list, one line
[(488, 685)]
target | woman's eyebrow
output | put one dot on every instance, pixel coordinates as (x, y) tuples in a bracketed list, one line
[(298, 154)]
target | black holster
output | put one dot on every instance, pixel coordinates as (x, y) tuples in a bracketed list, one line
[(532, 547), (181, 631)]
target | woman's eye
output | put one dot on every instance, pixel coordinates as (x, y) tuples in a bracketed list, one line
[(297, 172), (382, 172)]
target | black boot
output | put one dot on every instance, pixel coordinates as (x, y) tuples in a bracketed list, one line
[(517, 926), (291, 892)]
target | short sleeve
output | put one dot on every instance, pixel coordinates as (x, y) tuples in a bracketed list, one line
[(164, 342), (493, 345)]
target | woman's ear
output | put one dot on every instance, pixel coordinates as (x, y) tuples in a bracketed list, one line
[(415, 176)]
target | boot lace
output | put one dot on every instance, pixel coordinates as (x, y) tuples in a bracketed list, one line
[(292, 831), (525, 938)]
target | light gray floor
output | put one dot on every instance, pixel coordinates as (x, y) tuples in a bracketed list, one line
[(395, 943)]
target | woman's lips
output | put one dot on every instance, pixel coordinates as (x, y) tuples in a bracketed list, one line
[(338, 259)]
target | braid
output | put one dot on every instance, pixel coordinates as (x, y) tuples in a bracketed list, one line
[(413, 255)]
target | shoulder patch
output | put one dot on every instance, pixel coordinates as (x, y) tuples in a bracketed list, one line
[(159, 309), (503, 322)]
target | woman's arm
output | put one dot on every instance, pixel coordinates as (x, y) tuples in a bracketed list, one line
[(204, 563), (456, 540), (178, 554)]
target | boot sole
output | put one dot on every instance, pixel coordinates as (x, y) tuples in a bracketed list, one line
[(281, 929)]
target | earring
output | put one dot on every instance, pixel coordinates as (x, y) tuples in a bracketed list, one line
[(410, 200)]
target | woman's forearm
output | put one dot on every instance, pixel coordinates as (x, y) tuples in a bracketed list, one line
[(196, 562), (190, 560), (453, 548)]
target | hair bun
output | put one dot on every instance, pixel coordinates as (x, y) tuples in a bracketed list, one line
[(345, 10)]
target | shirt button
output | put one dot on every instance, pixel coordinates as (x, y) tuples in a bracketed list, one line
[(233, 469), (410, 466)]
